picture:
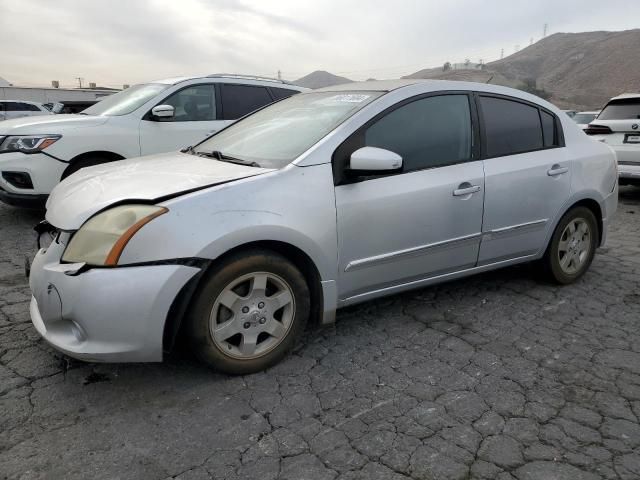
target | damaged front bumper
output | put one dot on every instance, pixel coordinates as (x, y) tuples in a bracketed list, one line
[(103, 314)]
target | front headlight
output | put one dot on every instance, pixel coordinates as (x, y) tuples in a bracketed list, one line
[(28, 143), (102, 238)]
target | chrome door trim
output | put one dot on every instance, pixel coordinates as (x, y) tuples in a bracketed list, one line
[(380, 292), (409, 252), (515, 229)]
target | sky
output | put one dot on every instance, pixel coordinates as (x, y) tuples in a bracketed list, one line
[(113, 42)]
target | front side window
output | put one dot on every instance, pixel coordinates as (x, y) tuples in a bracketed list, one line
[(278, 134), (193, 104), (238, 100), (126, 101), (426, 133), (511, 127), (621, 109)]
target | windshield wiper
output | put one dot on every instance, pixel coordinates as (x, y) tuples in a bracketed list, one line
[(216, 154)]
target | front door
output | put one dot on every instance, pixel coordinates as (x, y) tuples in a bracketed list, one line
[(193, 121), (420, 223)]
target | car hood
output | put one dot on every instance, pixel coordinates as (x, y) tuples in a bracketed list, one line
[(145, 179), (48, 124)]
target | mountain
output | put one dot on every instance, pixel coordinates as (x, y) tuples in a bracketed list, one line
[(575, 70), (319, 79)]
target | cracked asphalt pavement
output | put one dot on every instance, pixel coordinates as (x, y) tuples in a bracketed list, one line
[(497, 376)]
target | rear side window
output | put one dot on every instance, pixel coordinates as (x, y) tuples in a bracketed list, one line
[(238, 100), (280, 93), (510, 127), (426, 133), (623, 109)]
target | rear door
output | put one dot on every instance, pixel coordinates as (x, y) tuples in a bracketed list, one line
[(195, 118), (622, 117), (527, 176)]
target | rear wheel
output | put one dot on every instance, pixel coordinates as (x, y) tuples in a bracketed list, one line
[(249, 312), (572, 246)]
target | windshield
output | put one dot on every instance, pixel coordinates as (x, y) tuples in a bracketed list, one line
[(626, 109), (275, 136), (126, 101), (583, 118)]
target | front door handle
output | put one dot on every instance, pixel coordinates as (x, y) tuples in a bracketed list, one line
[(465, 189), (557, 170)]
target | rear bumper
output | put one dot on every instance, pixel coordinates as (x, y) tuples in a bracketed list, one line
[(104, 314), (628, 172)]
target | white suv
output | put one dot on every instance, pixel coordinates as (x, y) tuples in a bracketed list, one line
[(19, 108), (618, 125), (156, 117)]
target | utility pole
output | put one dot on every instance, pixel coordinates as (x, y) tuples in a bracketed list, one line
[(279, 75), (79, 81), (501, 54), (544, 30)]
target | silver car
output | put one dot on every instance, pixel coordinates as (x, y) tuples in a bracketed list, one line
[(320, 201)]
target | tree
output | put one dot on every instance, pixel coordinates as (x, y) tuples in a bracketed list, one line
[(446, 67)]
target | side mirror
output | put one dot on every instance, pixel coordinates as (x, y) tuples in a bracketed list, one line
[(163, 111), (372, 161)]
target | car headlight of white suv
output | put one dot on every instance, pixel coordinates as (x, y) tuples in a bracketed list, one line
[(102, 238), (28, 143)]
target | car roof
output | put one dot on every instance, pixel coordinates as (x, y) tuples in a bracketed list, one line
[(626, 95), (20, 101), (428, 85), (234, 76)]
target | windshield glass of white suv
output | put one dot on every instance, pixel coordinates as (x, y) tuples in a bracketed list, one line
[(623, 109), (278, 134), (126, 101)]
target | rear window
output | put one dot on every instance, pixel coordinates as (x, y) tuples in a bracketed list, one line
[(623, 109), (512, 127)]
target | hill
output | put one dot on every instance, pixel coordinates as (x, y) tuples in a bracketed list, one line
[(319, 79), (576, 70)]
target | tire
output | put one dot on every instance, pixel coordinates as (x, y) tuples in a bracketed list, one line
[(231, 314), (85, 162), (569, 255)]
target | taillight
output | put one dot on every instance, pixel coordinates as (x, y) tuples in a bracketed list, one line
[(597, 130)]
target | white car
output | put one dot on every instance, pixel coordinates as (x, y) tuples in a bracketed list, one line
[(19, 108), (618, 126), (156, 117), (583, 119)]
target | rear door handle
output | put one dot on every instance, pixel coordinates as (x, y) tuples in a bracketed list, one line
[(557, 170), (466, 190)]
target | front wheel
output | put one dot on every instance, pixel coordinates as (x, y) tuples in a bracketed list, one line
[(249, 312), (572, 246)]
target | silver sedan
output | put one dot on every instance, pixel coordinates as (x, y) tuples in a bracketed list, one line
[(319, 201)]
